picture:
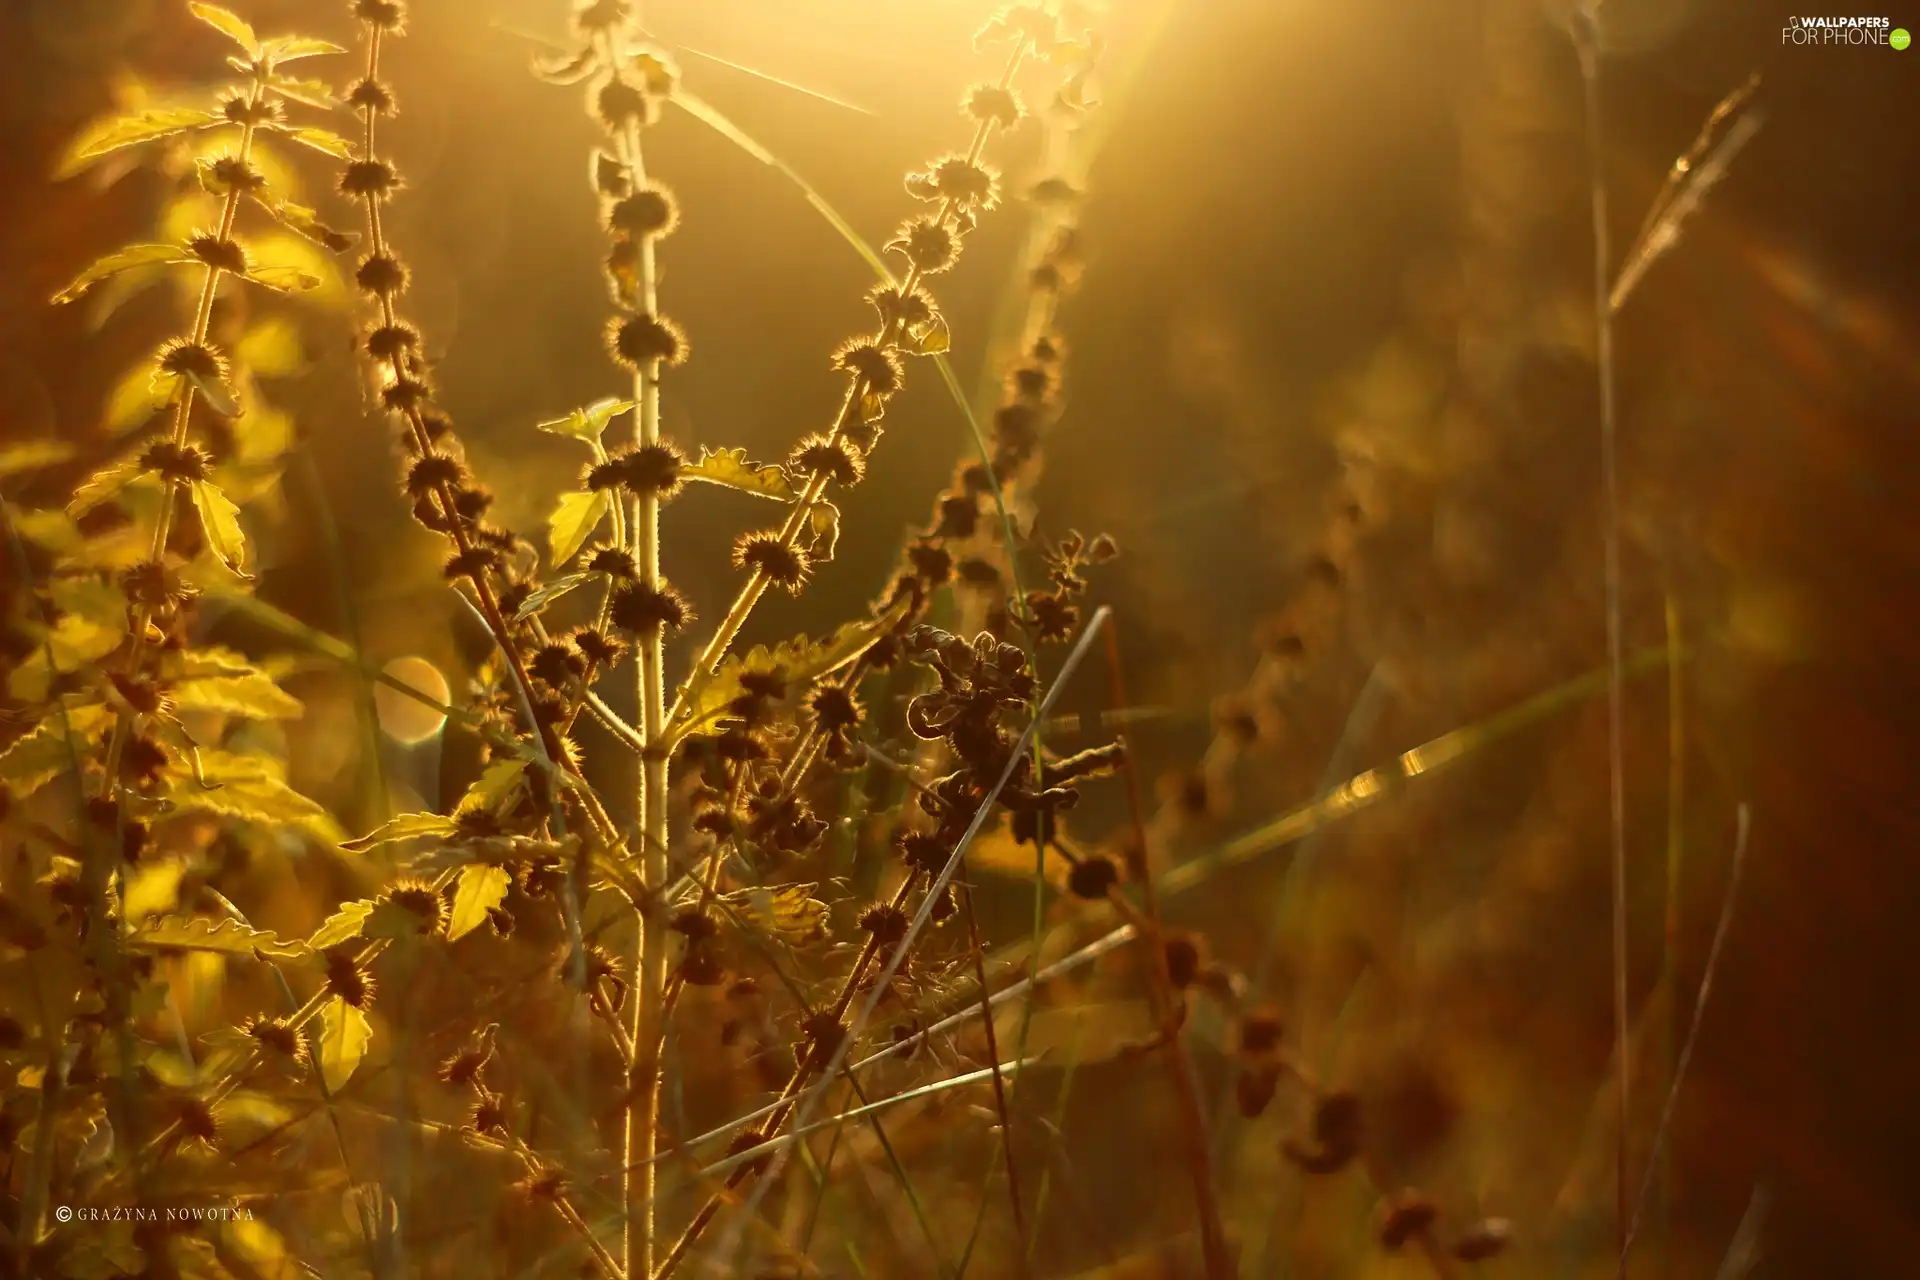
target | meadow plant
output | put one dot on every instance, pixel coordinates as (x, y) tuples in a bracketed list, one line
[(703, 937)]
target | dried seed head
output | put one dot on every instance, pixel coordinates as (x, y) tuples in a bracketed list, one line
[(781, 563), (616, 103), (923, 851), (907, 308), (369, 179), (420, 900), (371, 95), (643, 608), (1091, 877), (198, 1122), (391, 341), (242, 110), (278, 1035), (489, 1114), (653, 469), (877, 367), (405, 395), (650, 211), (180, 463), (886, 922), (472, 564), (218, 252), (597, 646), (593, 16), (1261, 1032), (834, 708), (1184, 958), (347, 980), (1336, 1120), (1255, 1086), (383, 15), (1404, 1217), (615, 562), (835, 457), (186, 358), (701, 968), (153, 584), (966, 183), (693, 924), (432, 470), (1487, 1238), (381, 275), (640, 340), (990, 102), (556, 664), (928, 243)]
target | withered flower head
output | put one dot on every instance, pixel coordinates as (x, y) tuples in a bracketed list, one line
[(782, 563)]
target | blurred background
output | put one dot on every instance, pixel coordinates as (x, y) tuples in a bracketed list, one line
[(1331, 377)]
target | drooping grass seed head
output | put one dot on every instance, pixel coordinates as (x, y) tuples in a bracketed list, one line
[(644, 609), (780, 562), (639, 341), (878, 368)]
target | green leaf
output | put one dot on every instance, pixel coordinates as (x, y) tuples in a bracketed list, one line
[(408, 826), (573, 522), (227, 24), (304, 222), (215, 934), (482, 888), (282, 279), (320, 140), (730, 467), (589, 423), (497, 781), (343, 925), (45, 751), (550, 592), (221, 520), (32, 455), (345, 1035), (290, 48), (800, 660), (131, 258), (107, 136)]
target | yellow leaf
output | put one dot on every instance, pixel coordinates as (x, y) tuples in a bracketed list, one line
[(730, 467), (588, 423), (320, 140), (227, 24), (343, 925), (345, 1035), (221, 520), (482, 887), (408, 826), (271, 349), (289, 48), (789, 911), (219, 935), (573, 522), (137, 396), (150, 888), (106, 136), (549, 592), (102, 485), (283, 279), (131, 258), (32, 455), (248, 693), (496, 783), (45, 752)]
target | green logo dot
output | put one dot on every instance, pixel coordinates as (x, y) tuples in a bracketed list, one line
[(1899, 39)]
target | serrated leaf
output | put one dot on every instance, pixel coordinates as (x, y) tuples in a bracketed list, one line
[(408, 826), (228, 24), (589, 423), (137, 396), (482, 888), (291, 48), (573, 522), (321, 140), (102, 485), (310, 92), (32, 455), (823, 522), (801, 660), (221, 520), (150, 888), (305, 223), (218, 395), (929, 340), (250, 693), (343, 925), (250, 792), (345, 1035), (214, 934), (549, 592), (497, 781), (131, 258), (282, 279), (730, 467), (74, 643), (107, 136), (45, 752), (789, 911)]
